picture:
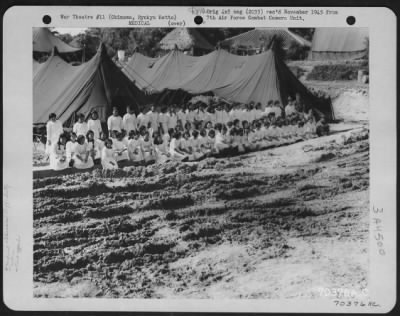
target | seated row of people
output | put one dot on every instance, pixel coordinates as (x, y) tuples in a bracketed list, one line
[(188, 143)]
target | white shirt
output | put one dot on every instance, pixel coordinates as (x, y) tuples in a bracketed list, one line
[(258, 114), (153, 118), (146, 145), (114, 123), (277, 110), (174, 144), (70, 149), (142, 120), (290, 109), (54, 130), (129, 122), (166, 138), (118, 145), (107, 154), (172, 120), (134, 146), (163, 119), (190, 116), (181, 116), (268, 110), (80, 128), (95, 126), (219, 138), (219, 116)]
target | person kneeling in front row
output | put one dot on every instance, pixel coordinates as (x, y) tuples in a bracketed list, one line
[(108, 154), (82, 158)]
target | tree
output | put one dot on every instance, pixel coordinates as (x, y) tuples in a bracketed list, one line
[(305, 32)]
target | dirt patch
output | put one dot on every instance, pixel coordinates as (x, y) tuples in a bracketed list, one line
[(240, 227)]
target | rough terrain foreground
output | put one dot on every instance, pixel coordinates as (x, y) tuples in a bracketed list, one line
[(280, 223)]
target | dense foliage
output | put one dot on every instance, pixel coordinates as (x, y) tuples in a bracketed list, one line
[(147, 40), (332, 72)]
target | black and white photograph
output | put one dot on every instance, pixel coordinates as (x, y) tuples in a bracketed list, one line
[(199, 159), (220, 163)]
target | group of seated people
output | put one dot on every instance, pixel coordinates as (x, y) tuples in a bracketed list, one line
[(176, 134)]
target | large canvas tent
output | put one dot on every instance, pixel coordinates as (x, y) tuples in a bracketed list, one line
[(339, 43), (44, 41), (259, 38), (65, 90), (258, 78)]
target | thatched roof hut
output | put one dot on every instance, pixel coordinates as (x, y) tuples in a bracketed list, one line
[(186, 39), (259, 38)]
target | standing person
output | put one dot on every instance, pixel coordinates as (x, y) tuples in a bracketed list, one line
[(153, 115), (181, 114), (80, 127), (114, 122), (172, 118), (58, 155), (219, 114), (252, 112), (163, 121), (82, 158), (142, 120), (129, 121), (190, 114), (225, 114), (54, 129), (94, 125), (108, 160)]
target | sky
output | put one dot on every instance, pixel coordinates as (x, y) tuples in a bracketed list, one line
[(73, 31)]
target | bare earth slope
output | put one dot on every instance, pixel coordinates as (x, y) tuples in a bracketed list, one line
[(278, 223)]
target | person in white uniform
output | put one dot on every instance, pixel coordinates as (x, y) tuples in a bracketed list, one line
[(94, 125), (153, 118), (290, 108), (94, 146), (135, 150), (160, 149), (54, 129), (71, 148), (142, 120), (174, 146), (80, 127), (172, 119), (129, 121), (121, 151), (58, 155), (82, 158), (147, 147), (114, 122), (108, 160), (163, 121)]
